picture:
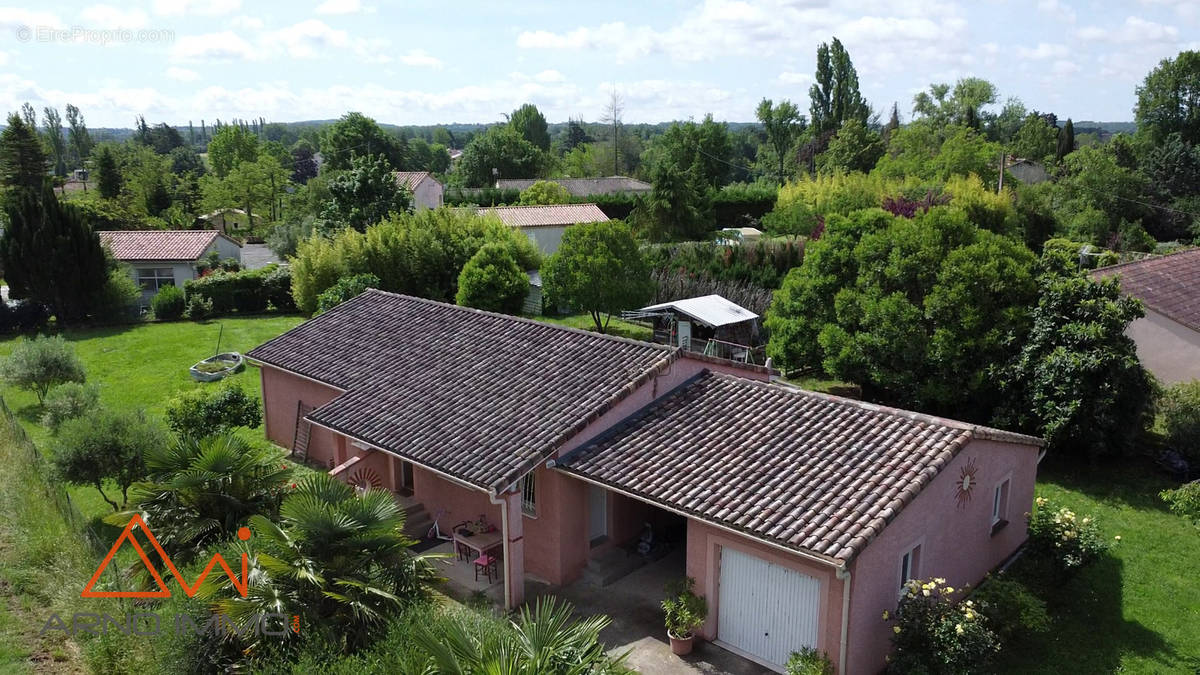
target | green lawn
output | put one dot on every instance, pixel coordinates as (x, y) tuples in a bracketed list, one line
[(1138, 609), (615, 326)]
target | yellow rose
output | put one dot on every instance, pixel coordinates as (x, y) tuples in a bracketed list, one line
[(958, 629), (885, 615), (949, 589), (940, 580), (896, 629), (925, 592)]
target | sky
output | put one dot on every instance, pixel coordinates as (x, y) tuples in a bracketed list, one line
[(440, 62)]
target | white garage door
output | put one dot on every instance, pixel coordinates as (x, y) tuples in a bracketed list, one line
[(765, 610)]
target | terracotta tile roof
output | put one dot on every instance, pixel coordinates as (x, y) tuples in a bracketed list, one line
[(483, 397), (411, 179), (541, 216), (812, 472), (583, 187), (158, 244), (1168, 284)]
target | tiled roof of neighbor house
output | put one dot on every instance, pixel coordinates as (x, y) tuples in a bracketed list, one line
[(480, 396), (583, 187), (811, 472), (1168, 284), (158, 244), (541, 216), (411, 179)]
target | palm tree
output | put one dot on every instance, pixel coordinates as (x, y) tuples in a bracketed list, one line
[(200, 491), (338, 557), (544, 641)]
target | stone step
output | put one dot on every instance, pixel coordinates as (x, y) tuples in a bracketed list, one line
[(610, 566)]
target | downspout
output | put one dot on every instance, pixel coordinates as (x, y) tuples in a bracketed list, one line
[(503, 531), (843, 573)]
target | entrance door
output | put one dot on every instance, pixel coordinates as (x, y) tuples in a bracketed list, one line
[(405, 483), (684, 332), (597, 514), (765, 610)]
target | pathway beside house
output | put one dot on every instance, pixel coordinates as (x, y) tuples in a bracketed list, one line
[(256, 256)]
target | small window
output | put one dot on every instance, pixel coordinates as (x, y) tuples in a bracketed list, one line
[(152, 279), (910, 565), (1000, 506), (529, 495)]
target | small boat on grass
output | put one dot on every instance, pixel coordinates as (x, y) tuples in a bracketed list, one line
[(217, 367)]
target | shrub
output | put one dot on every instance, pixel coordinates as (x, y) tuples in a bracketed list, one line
[(198, 308), (345, 289), (249, 291), (809, 661), (1061, 538), (205, 411), (231, 265), (277, 284), (1180, 408), (120, 299), (934, 634), (761, 263), (1011, 608), (68, 401), (683, 610), (1184, 500), (41, 363), (492, 281), (545, 192), (168, 303), (105, 445), (22, 315)]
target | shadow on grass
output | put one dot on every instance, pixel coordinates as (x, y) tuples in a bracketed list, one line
[(31, 413), (1138, 486), (1088, 633)]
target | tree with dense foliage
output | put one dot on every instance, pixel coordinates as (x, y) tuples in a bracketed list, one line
[(576, 136), (345, 289), (22, 159), (204, 411), (230, 146), (1169, 99), (705, 148), (783, 125), (492, 280), (529, 122), (51, 254), (106, 445), (794, 219), (356, 135), (304, 162), (677, 207), (916, 311), (1077, 381), (79, 139), (1066, 141), (1036, 140), (598, 269), (834, 95), (365, 194), (921, 151), (1097, 194), (199, 490), (961, 105), (1180, 409), (854, 148), (52, 130), (503, 150), (41, 363), (545, 192), (417, 254), (1003, 127), (337, 557)]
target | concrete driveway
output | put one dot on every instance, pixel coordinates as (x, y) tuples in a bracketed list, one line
[(637, 622), (256, 256)]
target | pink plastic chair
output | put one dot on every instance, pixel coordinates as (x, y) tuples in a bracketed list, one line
[(488, 564)]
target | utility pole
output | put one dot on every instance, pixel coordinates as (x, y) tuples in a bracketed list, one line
[(1000, 186)]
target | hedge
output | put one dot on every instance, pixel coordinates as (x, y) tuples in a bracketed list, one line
[(249, 291)]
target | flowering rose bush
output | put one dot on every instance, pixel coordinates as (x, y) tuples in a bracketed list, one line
[(1058, 535), (933, 633)]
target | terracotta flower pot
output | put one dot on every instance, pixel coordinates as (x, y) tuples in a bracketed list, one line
[(681, 646)]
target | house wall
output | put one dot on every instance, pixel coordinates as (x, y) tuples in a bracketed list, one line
[(428, 194), (181, 271), (225, 248), (282, 391), (546, 238), (704, 544), (956, 542), (1168, 349)]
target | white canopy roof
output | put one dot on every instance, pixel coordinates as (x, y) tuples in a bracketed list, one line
[(712, 310)]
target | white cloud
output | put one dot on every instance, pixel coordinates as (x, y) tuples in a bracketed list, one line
[(245, 22), (196, 7), (1133, 30), (420, 58), (182, 74), (223, 46), (1057, 9), (12, 18), (109, 17), (305, 39), (3, 58), (1063, 68), (795, 78), (1044, 50), (339, 7)]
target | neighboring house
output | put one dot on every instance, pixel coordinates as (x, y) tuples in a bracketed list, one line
[(427, 191), (800, 514), (1168, 337), (227, 220), (1028, 171), (158, 258), (709, 324), (583, 187), (544, 225)]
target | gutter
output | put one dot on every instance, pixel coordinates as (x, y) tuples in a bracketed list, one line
[(843, 573), (503, 503)]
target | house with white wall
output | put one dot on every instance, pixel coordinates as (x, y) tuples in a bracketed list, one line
[(427, 191), (158, 258)]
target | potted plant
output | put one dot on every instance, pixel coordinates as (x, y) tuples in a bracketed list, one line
[(685, 612)]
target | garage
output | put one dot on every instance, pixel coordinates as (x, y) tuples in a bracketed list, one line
[(765, 611)]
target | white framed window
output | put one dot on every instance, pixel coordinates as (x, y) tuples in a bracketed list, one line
[(1000, 505), (529, 494), (910, 565), (154, 278)]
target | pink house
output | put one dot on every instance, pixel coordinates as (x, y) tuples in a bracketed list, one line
[(801, 513)]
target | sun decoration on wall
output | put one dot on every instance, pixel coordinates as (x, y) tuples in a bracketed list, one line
[(966, 483)]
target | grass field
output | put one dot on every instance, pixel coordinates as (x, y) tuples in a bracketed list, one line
[(1138, 609), (615, 326)]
